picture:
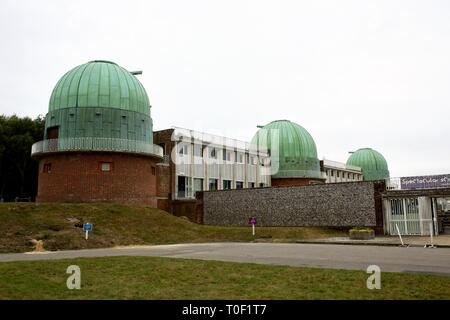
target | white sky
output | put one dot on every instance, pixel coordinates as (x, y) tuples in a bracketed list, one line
[(353, 73)]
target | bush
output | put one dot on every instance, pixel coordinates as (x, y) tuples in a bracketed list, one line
[(361, 229), (361, 233)]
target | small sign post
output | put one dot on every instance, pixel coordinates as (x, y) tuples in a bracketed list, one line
[(431, 245), (400, 236), (252, 221), (87, 227)]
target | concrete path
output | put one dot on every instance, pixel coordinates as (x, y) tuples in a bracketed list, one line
[(394, 259)]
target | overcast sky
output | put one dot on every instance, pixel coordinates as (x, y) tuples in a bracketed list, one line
[(353, 73)]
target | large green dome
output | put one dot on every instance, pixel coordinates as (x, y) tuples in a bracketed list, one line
[(372, 163), (100, 83), (100, 100), (292, 149)]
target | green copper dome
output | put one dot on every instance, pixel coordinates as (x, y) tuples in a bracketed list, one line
[(100, 83), (372, 163), (100, 100), (292, 150)]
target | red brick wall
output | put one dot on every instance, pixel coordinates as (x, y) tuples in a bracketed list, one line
[(294, 181), (190, 209), (77, 177), (163, 180), (166, 175)]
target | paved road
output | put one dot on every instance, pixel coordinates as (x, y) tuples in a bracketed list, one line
[(395, 259)]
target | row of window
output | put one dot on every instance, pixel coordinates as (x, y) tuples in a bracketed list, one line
[(227, 155), (213, 184), (345, 175), (103, 166)]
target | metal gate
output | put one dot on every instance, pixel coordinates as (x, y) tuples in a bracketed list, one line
[(404, 213), (412, 216)]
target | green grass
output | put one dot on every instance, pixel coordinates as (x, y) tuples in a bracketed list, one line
[(167, 278), (118, 225)]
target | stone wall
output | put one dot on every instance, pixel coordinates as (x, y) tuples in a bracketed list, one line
[(328, 205)]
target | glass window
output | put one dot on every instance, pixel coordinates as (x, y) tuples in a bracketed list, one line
[(47, 168), (240, 158), (182, 186), (239, 184), (213, 153), (226, 155), (182, 149), (198, 151), (212, 184), (251, 184), (198, 184), (106, 166), (226, 184)]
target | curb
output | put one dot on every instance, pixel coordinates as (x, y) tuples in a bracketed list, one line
[(389, 244)]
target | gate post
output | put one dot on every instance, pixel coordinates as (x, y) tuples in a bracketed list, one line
[(387, 216), (425, 215)]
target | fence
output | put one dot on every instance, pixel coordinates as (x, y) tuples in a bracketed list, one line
[(95, 144)]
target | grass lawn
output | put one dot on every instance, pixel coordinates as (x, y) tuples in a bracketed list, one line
[(116, 224), (168, 278)]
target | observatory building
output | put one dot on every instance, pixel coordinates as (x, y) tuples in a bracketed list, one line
[(99, 145), (98, 140)]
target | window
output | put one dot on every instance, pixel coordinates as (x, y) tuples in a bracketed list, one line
[(226, 184), (252, 160), (226, 155), (182, 149), (239, 184), (198, 151), (153, 171), (337, 174), (251, 184), (106, 166), (240, 158), (198, 184), (261, 185), (47, 168), (213, 153), (332, 173), (212, 184), (182, 186)]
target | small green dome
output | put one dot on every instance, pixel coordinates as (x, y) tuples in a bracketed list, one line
[(100, 83), (372, 163), (292, 149)]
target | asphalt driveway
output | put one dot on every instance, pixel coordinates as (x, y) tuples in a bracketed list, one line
[(394, 259)]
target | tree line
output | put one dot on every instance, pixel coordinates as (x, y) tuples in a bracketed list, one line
[(18, 171)]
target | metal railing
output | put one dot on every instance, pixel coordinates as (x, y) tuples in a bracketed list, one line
[(95, 144)]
